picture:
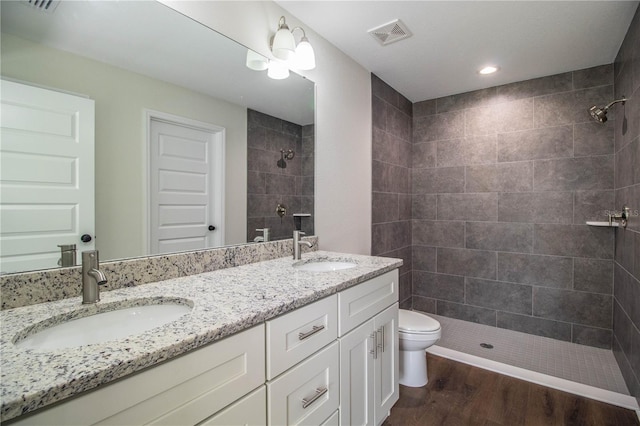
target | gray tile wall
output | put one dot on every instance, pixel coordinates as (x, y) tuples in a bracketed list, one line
[(503, 180), (626, 306), (269, 185), (391, 198)]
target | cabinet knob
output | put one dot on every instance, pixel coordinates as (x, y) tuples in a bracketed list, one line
[(85, 238)]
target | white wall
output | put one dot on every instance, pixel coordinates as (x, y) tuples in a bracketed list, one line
[(121, 97), (343, 117)]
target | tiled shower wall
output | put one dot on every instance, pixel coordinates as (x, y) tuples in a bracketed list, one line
[(626, 307), (503, 180), (391, 198), (269, 185)]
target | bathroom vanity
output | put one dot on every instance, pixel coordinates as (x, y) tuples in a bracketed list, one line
[(266, 343)]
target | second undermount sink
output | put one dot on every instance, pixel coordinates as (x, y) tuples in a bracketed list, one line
[(101, 327), (322, 265)]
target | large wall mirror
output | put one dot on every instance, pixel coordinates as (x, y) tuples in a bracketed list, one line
[(142, 64)]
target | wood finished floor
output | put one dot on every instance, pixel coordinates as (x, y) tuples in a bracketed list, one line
[(458, 395)]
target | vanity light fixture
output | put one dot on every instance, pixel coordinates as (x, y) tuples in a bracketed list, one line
[(283, 46), (305, 56), (490, 69), (277, 70), (256, 61)]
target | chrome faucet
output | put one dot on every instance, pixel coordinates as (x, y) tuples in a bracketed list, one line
[(265, 237), (92, 277), (297, 243)]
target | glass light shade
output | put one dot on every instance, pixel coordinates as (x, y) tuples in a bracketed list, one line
[(284, 44), (305, 57), (277, 70), (256, 61)]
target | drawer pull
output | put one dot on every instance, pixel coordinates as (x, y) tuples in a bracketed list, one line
[(319, 392), (314, 330)]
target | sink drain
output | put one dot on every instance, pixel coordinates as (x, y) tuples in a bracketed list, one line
[(486, 345)]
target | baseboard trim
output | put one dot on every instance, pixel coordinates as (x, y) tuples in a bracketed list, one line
[(565, 385)]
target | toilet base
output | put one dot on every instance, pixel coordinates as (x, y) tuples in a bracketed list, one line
[(413, 368)]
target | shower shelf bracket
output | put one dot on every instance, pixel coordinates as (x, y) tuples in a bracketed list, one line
[(617, 219), (604, 224)]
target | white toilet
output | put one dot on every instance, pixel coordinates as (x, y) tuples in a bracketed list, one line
[(416, 333)]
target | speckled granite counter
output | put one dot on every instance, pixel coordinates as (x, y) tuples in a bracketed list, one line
[(224, 302)]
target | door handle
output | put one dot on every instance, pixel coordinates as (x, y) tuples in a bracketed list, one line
[(374, 351), (380, 344)]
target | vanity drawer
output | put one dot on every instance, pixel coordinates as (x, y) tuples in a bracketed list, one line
[(359, 303), (298, 334), (308, 393)]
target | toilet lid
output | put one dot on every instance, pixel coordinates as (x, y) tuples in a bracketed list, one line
[(416, 322)]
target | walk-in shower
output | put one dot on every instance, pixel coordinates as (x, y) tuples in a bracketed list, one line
[(600, 114)]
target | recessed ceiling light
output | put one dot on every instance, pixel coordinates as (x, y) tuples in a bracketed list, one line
[(488, 70)]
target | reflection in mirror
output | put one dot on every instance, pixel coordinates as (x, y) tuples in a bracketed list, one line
[(280, 176), (142, 63)]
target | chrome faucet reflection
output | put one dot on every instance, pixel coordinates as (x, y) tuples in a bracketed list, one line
[(265, 237), (297, 243), (92, 277)]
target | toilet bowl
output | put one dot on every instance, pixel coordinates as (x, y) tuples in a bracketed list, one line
[(416, 333)]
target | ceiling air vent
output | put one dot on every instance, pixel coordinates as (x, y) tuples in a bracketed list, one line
[(390, 32), (43, 5)]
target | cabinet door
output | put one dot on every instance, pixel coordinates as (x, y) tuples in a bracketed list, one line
[(184, 390), (357, 375), (249, 411), (334, 420), (386, 364)]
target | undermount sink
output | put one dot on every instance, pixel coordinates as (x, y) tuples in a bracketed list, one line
[(65, 332), (324, 265)]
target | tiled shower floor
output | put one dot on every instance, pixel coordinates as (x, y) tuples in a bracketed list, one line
[(570, 361)]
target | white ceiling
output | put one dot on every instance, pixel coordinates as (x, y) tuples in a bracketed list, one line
[(453, 39), (168, 47)]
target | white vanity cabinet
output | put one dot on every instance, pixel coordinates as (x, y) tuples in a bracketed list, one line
[(185, 390), (333, 361), (369, 350)]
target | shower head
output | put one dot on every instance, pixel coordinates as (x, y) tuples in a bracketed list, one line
[(600, 114)]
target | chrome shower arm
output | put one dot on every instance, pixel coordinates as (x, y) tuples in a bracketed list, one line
[(623, 100)]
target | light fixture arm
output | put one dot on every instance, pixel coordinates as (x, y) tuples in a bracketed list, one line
[(304, 35), (282, 24)]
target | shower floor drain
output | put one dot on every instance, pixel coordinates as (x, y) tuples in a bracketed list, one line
[(486, 345)]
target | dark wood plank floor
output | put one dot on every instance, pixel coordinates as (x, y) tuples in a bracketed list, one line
[(458, 394)]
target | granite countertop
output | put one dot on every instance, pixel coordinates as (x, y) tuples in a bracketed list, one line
[(224, 302)]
